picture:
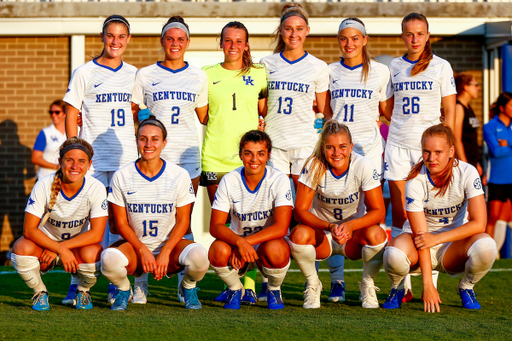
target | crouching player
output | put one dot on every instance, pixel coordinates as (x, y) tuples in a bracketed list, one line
[(259, 200), (151, 201), (439, 190), (330, 206), (59, 212)]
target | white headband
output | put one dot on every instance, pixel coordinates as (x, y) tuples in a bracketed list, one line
[(353, 24), (176, 24)]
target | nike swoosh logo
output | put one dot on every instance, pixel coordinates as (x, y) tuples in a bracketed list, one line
[(156, 83), (198, 168), (130, 193), (271, 72), (234, 202), (396, 74), (98, 85), (335, 81), (217, 82)]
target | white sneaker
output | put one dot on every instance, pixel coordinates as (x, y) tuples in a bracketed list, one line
[(312, 296), (368, 294), (140, 293)]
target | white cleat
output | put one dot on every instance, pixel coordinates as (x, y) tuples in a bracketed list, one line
[(140, 293), (369, 294), (312, 296)]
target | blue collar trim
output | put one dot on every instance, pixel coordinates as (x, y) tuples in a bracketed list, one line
[(147, 177), (171, 70), (295, 61), (259, 183), (107, 67), (74, 196), (342, 175), (350, 67), (409, 61)]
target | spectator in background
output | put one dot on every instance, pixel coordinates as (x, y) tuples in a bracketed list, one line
[(46, 147), (466, 123)]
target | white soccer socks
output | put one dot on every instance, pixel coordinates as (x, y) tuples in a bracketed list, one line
[(275, 277), (229, 277), (482, 255), (190, 237), (372, 256), (28, 268), (305, 257), (500, 231), (397, 266), (195, 260), (113, 266), (88, 275)]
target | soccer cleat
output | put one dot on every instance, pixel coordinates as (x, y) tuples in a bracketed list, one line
[(275, 300), (140, 293), (262, 296), (312, 296), (190, 297), (249, 297), (369, 295), (121, 300), (112, 293), (407, 296), (83, 300), (40, 301), (394, 300), (337, 292), (468, 298), (70, 298), (223, 296), (233, 299)]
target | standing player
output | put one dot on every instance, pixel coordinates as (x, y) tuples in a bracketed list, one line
[(330, 207), (151, 200), (437, 236), (258, 199), (101, 90), (421, 82), (175, 92), (359, 90), (237, 91), (65, 220)]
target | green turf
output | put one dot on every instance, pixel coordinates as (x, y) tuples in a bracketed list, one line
[(164, 318)]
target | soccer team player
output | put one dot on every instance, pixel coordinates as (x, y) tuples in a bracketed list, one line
[(336, 169)]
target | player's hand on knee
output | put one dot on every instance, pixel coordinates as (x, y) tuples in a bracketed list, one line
[(148, 260), (47, 257), (246, 251), (68, 260), (424, 240), (161, 266), (236, 260), (431, 299), (346, 232)]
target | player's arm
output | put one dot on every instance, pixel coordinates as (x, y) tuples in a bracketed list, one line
[(135, 112), (202, 114), (37, 159), (431, 297), (321, 102), (459, 119), (303, 203), (386, 107), (449, 110), (282, 217), (177, 233), (32, 232), (327, 109), (71, 121), (262, 107), (124, 229)]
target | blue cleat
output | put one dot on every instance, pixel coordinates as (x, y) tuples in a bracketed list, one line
[(112, 293), (223, 296), (121, 300), (262, 296), (468, 298), (249, 297), (337, 292), (394, 300), (191, 299), (70, 298), (234, 299), (83, 300), (40, 301), (275, 300)]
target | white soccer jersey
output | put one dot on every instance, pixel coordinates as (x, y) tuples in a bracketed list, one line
[(356, 103), (252, 211), (104, 97), (172, 96), (70, 216), (443, 213), (54, 139), (292, 88), (151, 203), (417, 99), (341, 198)]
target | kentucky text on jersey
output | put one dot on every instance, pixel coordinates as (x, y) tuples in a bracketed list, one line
[(290, 86), (149, 208), (113, 97), (418, 85), (360, 93), (339, 201), (258, 215), (68, 224), (174, 95), (444, 211)]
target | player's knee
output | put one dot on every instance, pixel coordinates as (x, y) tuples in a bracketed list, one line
[(24, 247), (395, 261), (219, 253), (90, 253), (302, 235), (484, 249), (112, 259), (375, 235), (274, 253), (194, 255)]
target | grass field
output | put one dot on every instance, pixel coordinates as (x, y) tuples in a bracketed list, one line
[(164, 318)]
